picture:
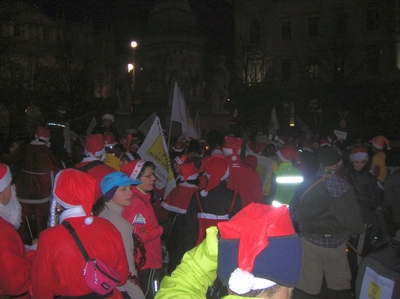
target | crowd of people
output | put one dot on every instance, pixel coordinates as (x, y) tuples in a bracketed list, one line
[(226, 229)]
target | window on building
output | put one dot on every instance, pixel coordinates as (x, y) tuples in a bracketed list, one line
[(313, 68), (341, 22), (313, 26), (373, 19), (255, 32), (286, 30), (255, 72), (286, 70)]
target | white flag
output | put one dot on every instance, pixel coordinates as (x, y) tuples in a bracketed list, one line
[(154, 149), (180, 113), (146, 125), (91, 126)]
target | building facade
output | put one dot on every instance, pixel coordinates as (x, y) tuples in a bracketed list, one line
[(336, 51)]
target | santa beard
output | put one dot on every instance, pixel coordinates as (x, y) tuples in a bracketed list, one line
[(12, 211)]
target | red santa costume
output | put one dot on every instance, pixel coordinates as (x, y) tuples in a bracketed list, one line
[(177, 203), (57, 268), (93, 163), (15, 262), (141, 215), (37, 167), (242, 178)]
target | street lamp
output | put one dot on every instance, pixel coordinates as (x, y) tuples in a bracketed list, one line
[(134, 44)]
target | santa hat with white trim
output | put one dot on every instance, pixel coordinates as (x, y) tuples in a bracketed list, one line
[(231, 148), (216, 169), (42, 134), (109, 139), (288, 153), (133, 168), (188, 171), (108, 116), (380, 142), (358, 154), (5, 176), (258, 248), (95, 145), (75, 190)]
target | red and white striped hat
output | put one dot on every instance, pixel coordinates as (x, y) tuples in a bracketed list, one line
[(133, 168), (188, 171)]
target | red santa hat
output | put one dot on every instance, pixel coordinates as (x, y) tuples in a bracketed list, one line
[(178, 147), (188, 172), (358, 154), (75, 190), (308, 146), (288, 153), (258, 248), (109, 139), (95, 145), (380, 142), (133, 168), (182, 159), (217, 151), (231, 148), (216, 169), (5, 176), (108, 116), (42, 134)]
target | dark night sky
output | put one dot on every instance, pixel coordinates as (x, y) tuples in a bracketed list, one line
[(129, 17)]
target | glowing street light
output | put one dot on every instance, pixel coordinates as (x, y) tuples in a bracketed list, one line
[(134, 44), (130, 67)]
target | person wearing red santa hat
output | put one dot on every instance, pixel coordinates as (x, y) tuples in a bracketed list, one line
[(92, 163), (256, 254), (177, 203), (378, 164), (16, 261), (144, 223), (213, 204), (37, 166), (242, 178), (286, 178), (58, 265)]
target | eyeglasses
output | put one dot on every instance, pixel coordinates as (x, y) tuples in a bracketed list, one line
[(148, 176)]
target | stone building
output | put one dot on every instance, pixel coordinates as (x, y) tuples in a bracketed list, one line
[(342, 52), (46, 61)]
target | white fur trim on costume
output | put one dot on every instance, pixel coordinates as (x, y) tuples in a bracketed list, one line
[(242, 282), (5, 180), (203, 193), (190, 177), (76, 211), (108, 116), (358, 156)]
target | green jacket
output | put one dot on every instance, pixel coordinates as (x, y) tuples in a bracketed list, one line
[(285, 191), (196, 272)]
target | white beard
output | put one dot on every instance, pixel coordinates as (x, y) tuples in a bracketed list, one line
[(12, 211)]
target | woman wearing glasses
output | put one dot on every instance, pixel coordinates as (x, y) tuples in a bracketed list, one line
[(144, 224)]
